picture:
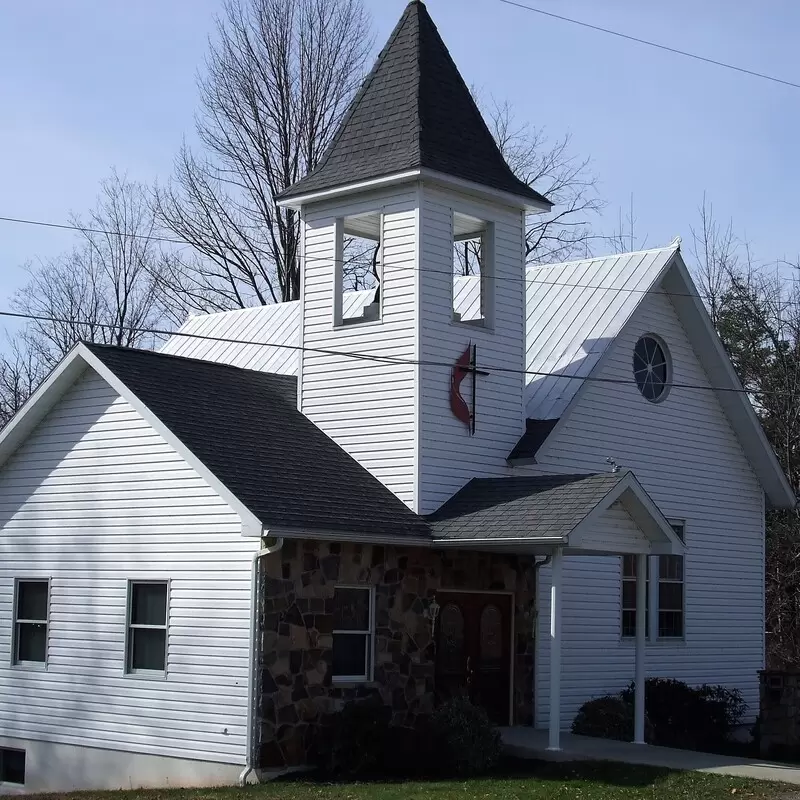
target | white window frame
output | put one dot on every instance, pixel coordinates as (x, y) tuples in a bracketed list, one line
[(623, 608), (16, 622), (339, 233), (682, 524), (486, 276), (369, 672), (4, 750), (129, 626), (654, 580)]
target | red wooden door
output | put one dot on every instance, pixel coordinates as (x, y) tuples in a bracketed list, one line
[(473, 652)]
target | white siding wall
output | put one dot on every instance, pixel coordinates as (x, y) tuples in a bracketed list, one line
[(615, 530), (449, 456), (367, 407), (95, 497), (687, 457)]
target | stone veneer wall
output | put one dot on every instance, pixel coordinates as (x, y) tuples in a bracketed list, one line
[(296, 623), (779, 724)]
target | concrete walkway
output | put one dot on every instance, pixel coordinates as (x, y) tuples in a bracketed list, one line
[(530, 743)]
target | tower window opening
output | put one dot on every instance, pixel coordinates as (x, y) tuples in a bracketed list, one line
[(473, 270), (358, 269)]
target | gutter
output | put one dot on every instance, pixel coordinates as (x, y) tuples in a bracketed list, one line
[(411, 540), (252, 682)]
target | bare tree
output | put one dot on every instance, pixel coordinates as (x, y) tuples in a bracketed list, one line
[(280, 75), (106, 288), (565, 179), (715, 251), (625, 238), (20, 374)]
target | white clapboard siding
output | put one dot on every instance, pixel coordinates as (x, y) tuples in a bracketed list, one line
[(687, 457), (93, 498), (366, 407), (449, 456)]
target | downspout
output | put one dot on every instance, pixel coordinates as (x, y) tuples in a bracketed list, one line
[(252, 681)]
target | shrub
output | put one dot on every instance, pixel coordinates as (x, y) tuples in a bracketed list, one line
[(700, 718), (462, 738), (356, 742), (608, 717), (407, 753)]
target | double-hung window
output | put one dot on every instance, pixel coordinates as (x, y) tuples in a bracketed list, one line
[(31, 607), (670, 591), (147, 626), (629, 596), (353, 626), (667, 570)]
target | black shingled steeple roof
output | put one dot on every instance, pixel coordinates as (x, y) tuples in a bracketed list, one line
[(413, 111)]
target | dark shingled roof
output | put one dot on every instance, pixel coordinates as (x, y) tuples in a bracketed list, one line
[(536, 432), (524, 507), (245, 427), (413, 111)]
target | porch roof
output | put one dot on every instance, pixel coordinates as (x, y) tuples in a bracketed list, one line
[(554, 509)]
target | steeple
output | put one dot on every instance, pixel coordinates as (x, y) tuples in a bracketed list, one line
[(414, 112)]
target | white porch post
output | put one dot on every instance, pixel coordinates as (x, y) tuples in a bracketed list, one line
[(554, 739), (641, 617)]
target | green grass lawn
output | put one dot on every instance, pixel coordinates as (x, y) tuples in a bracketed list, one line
[(526, 781)]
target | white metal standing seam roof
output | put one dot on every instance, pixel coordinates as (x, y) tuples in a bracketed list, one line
[(574, 311)]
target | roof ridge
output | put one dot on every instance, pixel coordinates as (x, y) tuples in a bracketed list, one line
[(191, 359), (671, 246)]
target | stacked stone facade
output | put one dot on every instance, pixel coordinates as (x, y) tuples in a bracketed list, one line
[(779, 721), (297, 695)]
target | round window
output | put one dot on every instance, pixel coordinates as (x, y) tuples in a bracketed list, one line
[(651, 368)]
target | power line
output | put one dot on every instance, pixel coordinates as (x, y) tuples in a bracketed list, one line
[(383, 359), (82, 229), (657, 45), (331, 260)]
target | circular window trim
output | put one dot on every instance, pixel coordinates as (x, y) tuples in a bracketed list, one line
[(668, 362)]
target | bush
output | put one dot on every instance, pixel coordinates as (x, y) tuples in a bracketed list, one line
[(356, 743), (700, 718), (407, 753), (608, 717), (462, 738)]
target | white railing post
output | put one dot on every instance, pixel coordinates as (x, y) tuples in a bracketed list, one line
[(641, 640), (554, 738)]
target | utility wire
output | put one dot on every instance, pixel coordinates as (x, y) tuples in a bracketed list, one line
[(488, 369), (332, 260), (657, 45)]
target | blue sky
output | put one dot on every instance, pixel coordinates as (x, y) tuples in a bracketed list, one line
[(89, 86)]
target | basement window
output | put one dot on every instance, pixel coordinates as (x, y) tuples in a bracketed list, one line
[(353, 626), (358, 269), (12, 766), (473, 271)]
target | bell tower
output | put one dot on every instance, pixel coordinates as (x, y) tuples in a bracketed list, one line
[(418, 375)]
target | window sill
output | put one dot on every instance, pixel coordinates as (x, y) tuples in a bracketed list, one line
[(662, 641), (345, 683), (148, 675), (357, 323), (472, 326), (35, 666)]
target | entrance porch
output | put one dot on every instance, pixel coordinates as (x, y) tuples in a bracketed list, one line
[(557, 517)]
